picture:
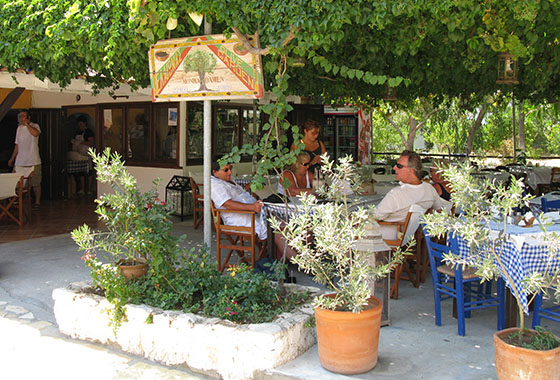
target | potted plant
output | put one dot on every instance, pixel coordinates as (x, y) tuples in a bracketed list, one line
[(324, 236), (486, 207), (137, 231)]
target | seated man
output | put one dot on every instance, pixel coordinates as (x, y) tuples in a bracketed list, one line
[(394, 207), (228, 195)]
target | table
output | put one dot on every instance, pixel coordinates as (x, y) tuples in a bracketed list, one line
[(523, 253)]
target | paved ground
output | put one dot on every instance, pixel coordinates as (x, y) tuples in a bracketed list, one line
[(30, 345)]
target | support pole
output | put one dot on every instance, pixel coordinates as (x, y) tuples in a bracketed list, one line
[(207, 160), (514, 127)]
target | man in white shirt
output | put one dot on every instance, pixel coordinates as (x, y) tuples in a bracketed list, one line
[(394, 207), (228, 195), (26, 153)]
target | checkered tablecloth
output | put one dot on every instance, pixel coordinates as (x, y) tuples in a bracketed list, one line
[(522, 254), (81, 166), (280, 211)]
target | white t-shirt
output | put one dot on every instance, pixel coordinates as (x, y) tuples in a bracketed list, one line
[(222, 191), (28, 146), (394, 207)]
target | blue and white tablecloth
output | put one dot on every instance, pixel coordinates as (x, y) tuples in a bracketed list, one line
[(524, 252)]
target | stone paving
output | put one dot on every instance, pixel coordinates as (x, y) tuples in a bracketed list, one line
[(31, 348)]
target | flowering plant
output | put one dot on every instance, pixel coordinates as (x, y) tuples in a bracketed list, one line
[(137, 223), (325, 236), (137, 229)]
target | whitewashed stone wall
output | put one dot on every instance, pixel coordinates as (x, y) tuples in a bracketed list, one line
[(212, 346)]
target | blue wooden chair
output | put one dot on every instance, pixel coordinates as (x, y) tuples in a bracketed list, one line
[(462, 285), (548, 205), (552, 313)]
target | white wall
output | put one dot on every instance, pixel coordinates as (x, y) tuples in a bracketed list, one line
[(144, 177)]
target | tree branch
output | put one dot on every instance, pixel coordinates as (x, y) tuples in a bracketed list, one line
[(419, 125), (397, 128), (262, 51)]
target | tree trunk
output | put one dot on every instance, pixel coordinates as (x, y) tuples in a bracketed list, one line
[(202, 75), (411, 134), (521, 127), (474, 126)]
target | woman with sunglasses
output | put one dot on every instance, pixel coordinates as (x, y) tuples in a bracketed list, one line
[(301, 179), (313, 146)]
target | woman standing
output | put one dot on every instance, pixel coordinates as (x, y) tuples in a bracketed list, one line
[(313, 146)]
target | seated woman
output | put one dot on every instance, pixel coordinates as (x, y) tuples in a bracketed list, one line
[(301, 179), (442, 186)]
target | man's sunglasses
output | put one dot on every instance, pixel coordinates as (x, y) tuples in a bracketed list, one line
[(227, 169), (400, 166)]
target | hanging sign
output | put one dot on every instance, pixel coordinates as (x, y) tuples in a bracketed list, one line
[(364, 131), (204, 68)]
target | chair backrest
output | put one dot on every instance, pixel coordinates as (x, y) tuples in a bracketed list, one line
[(548, 205), (413, 217), (435, 250), (8, 184)]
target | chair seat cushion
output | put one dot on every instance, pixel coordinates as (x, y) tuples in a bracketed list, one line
[(468, 273)]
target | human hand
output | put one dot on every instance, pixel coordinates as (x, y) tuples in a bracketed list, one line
[(257, 206), (11, 162), (315, 160)]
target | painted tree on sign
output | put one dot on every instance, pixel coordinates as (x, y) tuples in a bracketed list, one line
[(202, 62)]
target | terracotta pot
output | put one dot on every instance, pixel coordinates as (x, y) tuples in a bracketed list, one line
[(348, 341), (515, 363), (130, 268)]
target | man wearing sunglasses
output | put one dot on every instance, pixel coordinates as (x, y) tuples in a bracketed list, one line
[(395, 205), (226, 194)]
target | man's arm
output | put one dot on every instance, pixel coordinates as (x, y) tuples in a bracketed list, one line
[(238, 206), (34, 131), (14, 154)]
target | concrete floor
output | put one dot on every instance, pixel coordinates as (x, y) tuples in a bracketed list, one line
[(411, 348)]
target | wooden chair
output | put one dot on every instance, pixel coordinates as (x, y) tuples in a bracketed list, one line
[(406, 231), (198, 203), (236, 237), (11, 195)]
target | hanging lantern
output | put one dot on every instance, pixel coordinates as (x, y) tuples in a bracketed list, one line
[(507, 69), (390, 93)]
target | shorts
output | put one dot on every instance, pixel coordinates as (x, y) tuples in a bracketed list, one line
[(26, 170)]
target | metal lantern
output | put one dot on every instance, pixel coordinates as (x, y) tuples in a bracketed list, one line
[(178, 196), (390, 93), (507, 69)]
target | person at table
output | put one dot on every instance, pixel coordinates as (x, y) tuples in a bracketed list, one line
[(313, 146), (228, 195), (442, 186), (81, 142), (412, 190), (301, 179)]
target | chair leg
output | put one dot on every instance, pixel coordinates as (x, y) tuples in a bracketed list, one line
[(467, 292), (437, 303), (395, 287), (460, 290), (537, 311), (501, 304)]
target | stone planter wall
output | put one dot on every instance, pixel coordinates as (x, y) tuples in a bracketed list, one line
[(212, 346)]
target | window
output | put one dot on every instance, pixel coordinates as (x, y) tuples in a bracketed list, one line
[(144, 133), (233, 125)]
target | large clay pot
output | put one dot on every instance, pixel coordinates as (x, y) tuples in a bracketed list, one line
[(348, 341), (513, 363), (133, 269)]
